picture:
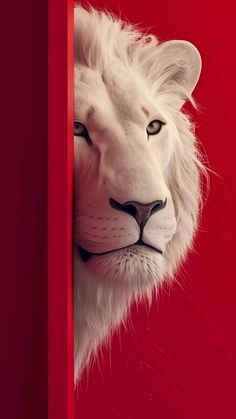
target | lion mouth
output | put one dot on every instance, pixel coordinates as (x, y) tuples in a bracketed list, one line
[(86, 255)]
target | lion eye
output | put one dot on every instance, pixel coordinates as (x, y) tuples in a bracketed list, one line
[(81, 131), (154, 127)]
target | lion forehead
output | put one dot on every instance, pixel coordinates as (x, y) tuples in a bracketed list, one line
[(121, 93)]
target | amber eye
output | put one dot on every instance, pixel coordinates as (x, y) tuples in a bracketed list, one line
[(81, 131), (154, 127)]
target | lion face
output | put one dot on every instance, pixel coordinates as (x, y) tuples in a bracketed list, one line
[(137, 170), (125, 215)]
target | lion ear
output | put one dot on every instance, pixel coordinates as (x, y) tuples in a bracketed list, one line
[(179, 66)]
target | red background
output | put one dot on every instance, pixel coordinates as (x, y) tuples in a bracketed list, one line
[(178, 360)]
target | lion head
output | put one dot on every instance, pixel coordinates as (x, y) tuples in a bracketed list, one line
[(136, 171)]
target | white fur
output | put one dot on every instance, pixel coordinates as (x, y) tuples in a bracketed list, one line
[(119, 71)]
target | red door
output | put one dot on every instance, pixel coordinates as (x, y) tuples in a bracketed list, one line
[(36, 339)]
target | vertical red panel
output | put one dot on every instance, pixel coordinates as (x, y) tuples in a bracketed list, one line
[(23, 209), (60, 180)]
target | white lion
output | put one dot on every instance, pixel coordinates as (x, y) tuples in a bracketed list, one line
[(137, 192)]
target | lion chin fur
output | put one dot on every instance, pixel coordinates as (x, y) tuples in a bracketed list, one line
[(119, 61)]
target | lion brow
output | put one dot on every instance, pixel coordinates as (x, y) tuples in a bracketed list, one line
[(90, 112)]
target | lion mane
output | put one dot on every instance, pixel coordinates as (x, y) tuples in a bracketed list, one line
[(117, 68)]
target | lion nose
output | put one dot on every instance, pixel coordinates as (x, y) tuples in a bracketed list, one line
[(141, 212)]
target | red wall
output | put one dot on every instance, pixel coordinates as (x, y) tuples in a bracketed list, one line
[(23, 196), (178, 360)]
